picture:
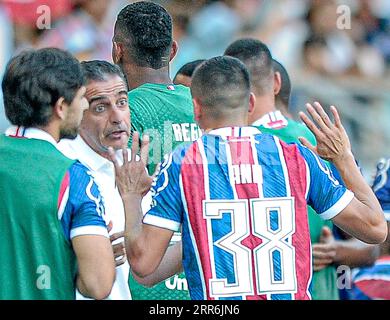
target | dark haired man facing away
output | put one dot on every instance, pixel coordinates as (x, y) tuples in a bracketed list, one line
[(143, 47), (53, 234), (240, 196), (271, 85), (184, 74)]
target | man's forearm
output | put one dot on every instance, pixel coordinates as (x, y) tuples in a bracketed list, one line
[(133, 224), (366, 222), (355, 182), (170, 265), (355, 253)]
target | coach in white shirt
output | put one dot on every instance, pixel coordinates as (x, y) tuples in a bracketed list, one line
[(105, 124)]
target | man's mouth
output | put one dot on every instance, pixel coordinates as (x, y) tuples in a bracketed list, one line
[(117, 134)]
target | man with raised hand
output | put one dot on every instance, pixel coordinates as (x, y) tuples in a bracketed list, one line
[(238, 194), (271, 86)]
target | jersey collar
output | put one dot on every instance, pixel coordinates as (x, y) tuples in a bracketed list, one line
[(30, 133), (81, 151), (235, 132), (272, 120)]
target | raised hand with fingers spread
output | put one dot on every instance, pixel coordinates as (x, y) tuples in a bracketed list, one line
[(363, 218), (133, 183), (332, 140), (131, 176)]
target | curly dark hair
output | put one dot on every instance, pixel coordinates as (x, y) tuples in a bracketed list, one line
[(146, 30), (33, 82)]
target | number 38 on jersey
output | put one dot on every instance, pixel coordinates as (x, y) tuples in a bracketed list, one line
[(251, 248)]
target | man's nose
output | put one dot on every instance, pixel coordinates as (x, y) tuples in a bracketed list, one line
[(115, 115)]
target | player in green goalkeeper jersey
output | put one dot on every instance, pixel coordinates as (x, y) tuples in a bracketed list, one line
[(143, 47), (272, 87)]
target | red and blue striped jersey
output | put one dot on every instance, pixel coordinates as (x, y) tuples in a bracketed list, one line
[(381, 185), (240, 198), (373, 282)]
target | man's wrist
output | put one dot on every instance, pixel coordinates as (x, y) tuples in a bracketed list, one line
[(132, 195), (344, 160)]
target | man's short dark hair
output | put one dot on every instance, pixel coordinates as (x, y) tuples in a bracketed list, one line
[(33, 82), (98, 70), (221, 83), (189, 68), (258, 59), (146, 30), (285, 89)]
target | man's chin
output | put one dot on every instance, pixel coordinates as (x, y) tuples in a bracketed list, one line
[(116, 144), (71, 135)]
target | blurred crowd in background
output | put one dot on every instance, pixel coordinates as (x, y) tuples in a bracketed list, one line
[(336, 51)]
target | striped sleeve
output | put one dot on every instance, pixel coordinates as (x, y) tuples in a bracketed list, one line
[(81, 209), (326, 195)]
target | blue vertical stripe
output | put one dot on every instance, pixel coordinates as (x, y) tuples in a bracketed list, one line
[(274, 185), (220, 188), (277, 265), (274, 220)]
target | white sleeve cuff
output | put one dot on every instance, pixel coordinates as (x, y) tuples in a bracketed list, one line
[(339, 206), (89, 230), (161, 222)]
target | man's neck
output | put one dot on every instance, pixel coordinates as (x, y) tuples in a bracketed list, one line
[(224, 124), (53, 130), (137, 76), (264, 104)]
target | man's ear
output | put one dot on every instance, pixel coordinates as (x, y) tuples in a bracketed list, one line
[(174, 49), (117, 52), (277, 82), (252, 102), (197, 109), (60, 109)]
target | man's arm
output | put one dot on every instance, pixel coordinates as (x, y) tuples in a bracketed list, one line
[(145, 244), (351, 252), (363, 217), (96, 268), (86, 229), (355, 253), (170, 265)]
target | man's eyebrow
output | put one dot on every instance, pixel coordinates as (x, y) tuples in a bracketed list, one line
[(122, 92), (96, 98)]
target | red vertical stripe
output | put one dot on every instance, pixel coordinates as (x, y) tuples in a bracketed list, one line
[(64, 186), (296, 169), (242, 153), (194, 192)]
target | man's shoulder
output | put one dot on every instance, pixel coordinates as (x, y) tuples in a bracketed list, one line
[(66, 146), (159, 94), (301, 129), (71, 149), (79, 171), (156, 88)]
